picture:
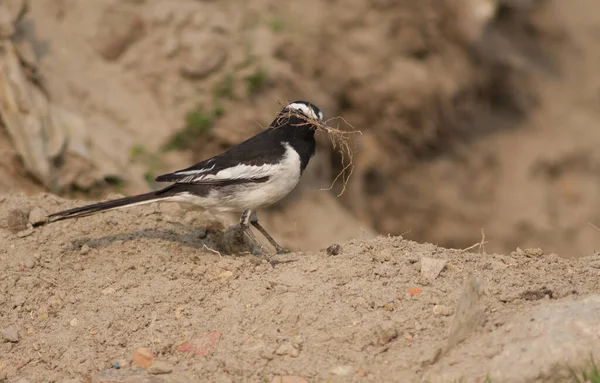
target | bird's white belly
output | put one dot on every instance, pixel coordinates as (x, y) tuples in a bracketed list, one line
[(282, 178)]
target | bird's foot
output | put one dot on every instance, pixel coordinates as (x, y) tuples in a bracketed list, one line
[(281, 250)]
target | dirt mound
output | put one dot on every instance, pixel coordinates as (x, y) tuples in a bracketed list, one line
[(82, 296)]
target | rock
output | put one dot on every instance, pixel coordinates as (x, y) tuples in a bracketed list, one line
[(159, 368), (85, 249), (142, 357), (118, 29), (202, 345), (384, 333), (225, 275), (468, 313), (431, 268), (334, 249), (544, 344), (287, 348), (37, 216), (17, 220), (342, 370), (205, 58), (528, 253), (28, 261), (108, 291), (74, 322), (10, 334), (288, 379), (442, 310)]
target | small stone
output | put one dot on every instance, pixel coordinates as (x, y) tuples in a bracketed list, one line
[(334, 249), (108, 291), (342, 370), (202, 345), (28, 261), (159, 368), (10, 334), (37, 216), (361, 373), (142, 357), (468, 312), (268, 355), (288, 379), (85, 249), (74, 322), (534, 252), (442, 310), (384, 333), (17, 220), (225, 275), (287, 348), (431, 268)]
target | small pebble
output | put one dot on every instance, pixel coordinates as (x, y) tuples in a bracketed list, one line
[(334, 249), (287, 349), (142, 357), (108, 291), (84, 249), (37, 216), (10, 334), (28, 262), (431, 267), (342, 370), (158, 368), (17, 220), (442, 310), (74, 322)]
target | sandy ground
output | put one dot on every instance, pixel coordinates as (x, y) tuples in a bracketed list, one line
[(83, 295)]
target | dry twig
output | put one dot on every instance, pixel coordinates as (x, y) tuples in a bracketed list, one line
[(339, 139)]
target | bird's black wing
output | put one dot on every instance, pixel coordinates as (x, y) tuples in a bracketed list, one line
[(249, 161)]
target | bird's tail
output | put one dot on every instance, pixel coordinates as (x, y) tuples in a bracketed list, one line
[(84, 211)]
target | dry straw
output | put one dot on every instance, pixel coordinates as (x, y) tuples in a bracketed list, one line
[(340, 140)]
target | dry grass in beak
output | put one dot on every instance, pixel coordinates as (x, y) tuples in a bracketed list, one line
[(340, 140)]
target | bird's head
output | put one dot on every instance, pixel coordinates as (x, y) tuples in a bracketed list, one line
[(303, 113)]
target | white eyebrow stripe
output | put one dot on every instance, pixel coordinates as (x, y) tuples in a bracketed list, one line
[(304, 109)]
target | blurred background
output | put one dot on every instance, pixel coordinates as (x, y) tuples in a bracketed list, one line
[(475, 114)]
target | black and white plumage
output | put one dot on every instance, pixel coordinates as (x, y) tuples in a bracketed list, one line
[(251, 175)]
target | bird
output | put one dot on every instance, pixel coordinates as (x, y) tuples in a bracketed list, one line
[(249, 176)]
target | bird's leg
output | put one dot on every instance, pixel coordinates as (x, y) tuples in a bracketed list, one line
[(254, 222), (244, 224)]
